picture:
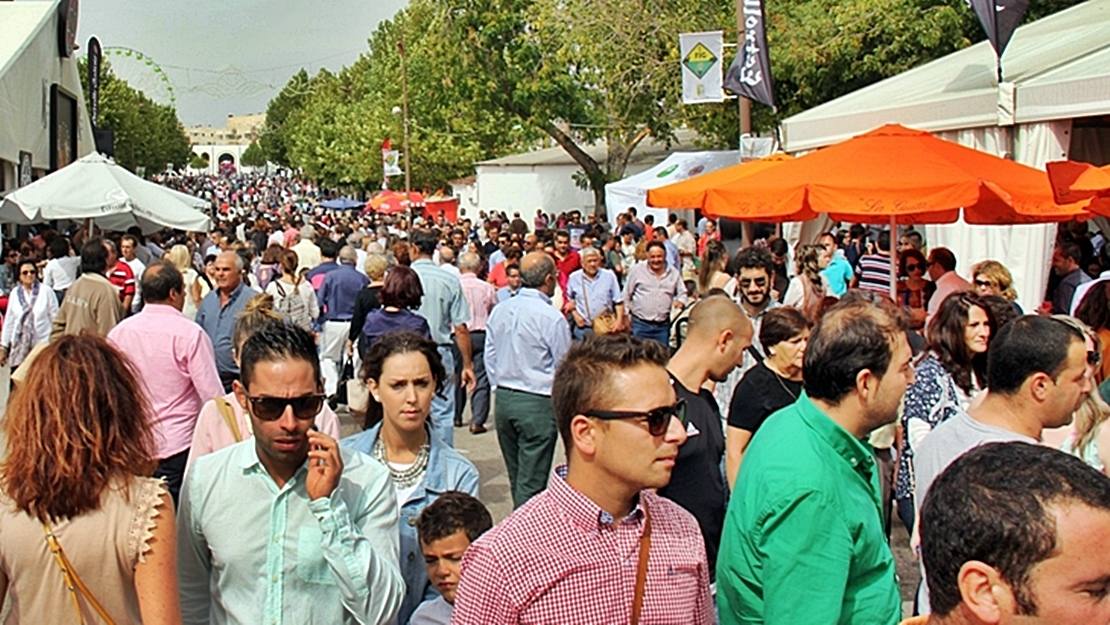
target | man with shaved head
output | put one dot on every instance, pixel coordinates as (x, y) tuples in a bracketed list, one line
[(717, 335), (526, 339)]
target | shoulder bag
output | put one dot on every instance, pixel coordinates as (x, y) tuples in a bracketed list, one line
[(73, 580)]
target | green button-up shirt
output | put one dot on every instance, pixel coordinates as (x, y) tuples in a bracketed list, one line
[(803, 540)]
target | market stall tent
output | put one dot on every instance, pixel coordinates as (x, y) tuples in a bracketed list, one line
[(633, 190), (1053, 104)]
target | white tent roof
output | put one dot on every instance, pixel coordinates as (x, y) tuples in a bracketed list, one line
[(1059, 67), (632, 191), (30, 63)]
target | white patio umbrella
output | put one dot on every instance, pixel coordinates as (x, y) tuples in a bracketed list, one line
[(95, 188)]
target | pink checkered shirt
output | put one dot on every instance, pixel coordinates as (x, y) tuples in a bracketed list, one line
[(562, 559)]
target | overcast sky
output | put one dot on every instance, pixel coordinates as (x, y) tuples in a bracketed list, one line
[(231, 56)]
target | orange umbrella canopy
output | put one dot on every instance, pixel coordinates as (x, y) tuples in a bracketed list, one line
[(896, 174), (691, 193), (390, 202), (1072, 181)]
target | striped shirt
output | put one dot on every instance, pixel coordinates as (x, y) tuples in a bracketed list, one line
[(481, 296), (874, 273)]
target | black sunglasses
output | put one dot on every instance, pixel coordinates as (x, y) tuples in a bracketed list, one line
[(983, 283), (658, 420), (746, 282), (913, 266), (271, 408), (1093, 358)]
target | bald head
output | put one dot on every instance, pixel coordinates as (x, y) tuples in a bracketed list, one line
[(535, 268), (714, 315)]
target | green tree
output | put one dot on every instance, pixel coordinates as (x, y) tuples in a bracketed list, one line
[(146, 134), (274, 137), (253, 156), (198, 162)]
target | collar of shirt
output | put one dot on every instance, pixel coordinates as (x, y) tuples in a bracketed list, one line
[(234, 294), (582, 511), (435, 477), (533, 293), (248, 460), (854, 452), (160, 309)]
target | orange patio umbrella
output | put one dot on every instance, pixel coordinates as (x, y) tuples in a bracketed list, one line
[(691, 193), (895, 175), (1072, 181), (392, 202)]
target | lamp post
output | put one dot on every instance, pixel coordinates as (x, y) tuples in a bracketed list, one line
[(405, 113)]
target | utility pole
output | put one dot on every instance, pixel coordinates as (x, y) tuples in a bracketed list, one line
[(405, 114), (746, 230)]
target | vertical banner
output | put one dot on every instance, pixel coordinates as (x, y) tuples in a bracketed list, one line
[(94, 56), (701, 66), (749, 75), (391, 160), (1000, 18)]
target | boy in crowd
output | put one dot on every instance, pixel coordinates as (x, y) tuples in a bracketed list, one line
[(446, 528)]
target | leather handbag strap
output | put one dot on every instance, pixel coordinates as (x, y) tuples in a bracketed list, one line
[(641, 569), (229, 418), (73, 581)]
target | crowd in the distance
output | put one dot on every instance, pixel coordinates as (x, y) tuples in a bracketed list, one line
[(739, 428)]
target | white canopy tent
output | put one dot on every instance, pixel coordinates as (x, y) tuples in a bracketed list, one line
[(1056, 72), (96, 188), (31, 67), (632, 191)]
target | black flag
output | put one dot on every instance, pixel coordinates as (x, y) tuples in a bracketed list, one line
[(1000, 18), (749, 75), (94, 56)]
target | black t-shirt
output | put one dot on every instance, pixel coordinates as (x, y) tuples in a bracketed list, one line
[(697, 483), (760, 393)]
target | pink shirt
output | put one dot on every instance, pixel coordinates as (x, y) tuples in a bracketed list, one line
[(177, 368), (213, 434), (481, 296)]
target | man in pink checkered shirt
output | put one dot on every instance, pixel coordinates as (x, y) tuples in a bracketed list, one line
[(572, 554)]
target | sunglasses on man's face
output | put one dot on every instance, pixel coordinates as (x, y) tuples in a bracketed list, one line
[(658, 420), (28, 272), (746, 282), (271, 408)]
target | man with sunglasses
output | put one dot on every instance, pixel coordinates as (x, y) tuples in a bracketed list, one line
[(1038, 372), (751, 288), (717, 336), (804, 540), (286, 527), (599, 545)]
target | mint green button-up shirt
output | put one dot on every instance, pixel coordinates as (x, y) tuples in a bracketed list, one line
[(803, 540), (250, 553)]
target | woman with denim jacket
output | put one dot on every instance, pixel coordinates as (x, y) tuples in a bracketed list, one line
[(402, 372)]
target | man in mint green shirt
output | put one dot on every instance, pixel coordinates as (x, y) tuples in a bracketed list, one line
[(285, 527), (803, 540)]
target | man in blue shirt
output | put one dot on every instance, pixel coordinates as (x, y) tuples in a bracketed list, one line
[(512, 276), (219, 309), (337, 297), (328, 251), (838, 274), (526, 339)]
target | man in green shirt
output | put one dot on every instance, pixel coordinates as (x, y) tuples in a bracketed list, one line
[(803, 540)]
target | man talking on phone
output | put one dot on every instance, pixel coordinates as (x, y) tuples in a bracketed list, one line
[(285, 527)]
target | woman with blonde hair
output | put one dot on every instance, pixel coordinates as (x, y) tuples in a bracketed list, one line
[(222, 421), (992, 278), (76, 501), (711, 270), (807, 289), (195, 287)]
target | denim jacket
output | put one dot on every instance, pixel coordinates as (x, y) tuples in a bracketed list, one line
[(447, 470)]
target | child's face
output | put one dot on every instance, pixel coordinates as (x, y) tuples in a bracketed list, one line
[(443, 558)]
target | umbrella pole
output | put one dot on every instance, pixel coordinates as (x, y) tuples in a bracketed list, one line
[(89, 226), (893, 258)]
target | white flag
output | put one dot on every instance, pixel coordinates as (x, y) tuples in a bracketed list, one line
[(391, 163), (700, 55)]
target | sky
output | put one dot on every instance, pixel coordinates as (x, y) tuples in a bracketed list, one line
[(229, 56)]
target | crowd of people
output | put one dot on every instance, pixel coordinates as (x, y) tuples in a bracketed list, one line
[(739, 428)]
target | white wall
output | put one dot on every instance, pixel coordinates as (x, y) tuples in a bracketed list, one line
[(527, 188)]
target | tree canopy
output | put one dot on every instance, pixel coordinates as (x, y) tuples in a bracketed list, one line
[(146, 134), (487, 77)]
